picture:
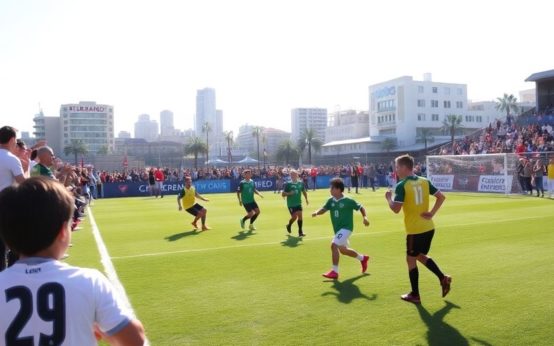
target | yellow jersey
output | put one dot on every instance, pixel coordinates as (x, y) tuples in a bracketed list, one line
[(413, 192), (551, 171), (188, 196)]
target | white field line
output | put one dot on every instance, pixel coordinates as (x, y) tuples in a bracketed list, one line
[(109, 269), (152, 254)]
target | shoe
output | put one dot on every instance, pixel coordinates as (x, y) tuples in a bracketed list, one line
[(301, 234), (411, 298), (364, 263), (206, 228), (445, 284), (242, 223), (331, 275), (252, 227), (288, 228), (194, 225)]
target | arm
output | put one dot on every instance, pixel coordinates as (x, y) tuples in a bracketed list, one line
[(305, 196), (321, 211), (366, 221), (238, 196), (19, 178), (438, 203), (197, 195), (131, 334), (394, 206), (258, 193), (179, 197)]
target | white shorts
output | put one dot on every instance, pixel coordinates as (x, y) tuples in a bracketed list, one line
[(341, 237)]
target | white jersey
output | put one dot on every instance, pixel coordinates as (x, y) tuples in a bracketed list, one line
[(10, 167), (48, 302)]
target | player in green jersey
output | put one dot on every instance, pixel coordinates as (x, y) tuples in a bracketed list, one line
[(342, 210), (293, 190), (245, 194)]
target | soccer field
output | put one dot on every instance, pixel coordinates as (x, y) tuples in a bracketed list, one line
[(232, 287)]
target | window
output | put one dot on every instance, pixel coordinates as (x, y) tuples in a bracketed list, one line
[(459, 91), (447, 91), (421, 117), (446, 104), (435, 117), (420, 89), (479, 119), (459, 104), (434, 103), (435, 90), (421, 103)]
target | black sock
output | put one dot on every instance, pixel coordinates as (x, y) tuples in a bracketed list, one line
[(244, 219), (290, 222), (432, 266), (253, 218), (414, 281), (300, 222), (203, 220)]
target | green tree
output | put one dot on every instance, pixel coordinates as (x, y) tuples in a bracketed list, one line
[(388, 144), (287, 152), (257, 131), (103, 150), (506, 104), (426, 136), (451, 124), (207, 128), (309, 140), (76, 148), (229, 137), (194, 147)]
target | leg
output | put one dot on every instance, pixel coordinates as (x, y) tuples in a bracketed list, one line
[(203, 214), (256, 213), (293, 218), (413, 274), (335, 256), (300, 223)]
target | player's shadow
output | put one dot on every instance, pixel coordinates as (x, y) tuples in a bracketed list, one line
[(242, 235), (347, 291), (292, 241), (178, 236), (438, 331)]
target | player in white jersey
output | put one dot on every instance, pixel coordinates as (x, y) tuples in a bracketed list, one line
[(45, 301)]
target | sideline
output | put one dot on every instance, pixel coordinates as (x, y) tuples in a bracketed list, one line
[(109, 269)]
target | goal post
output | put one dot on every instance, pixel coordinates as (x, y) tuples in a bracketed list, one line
[(488, 173)]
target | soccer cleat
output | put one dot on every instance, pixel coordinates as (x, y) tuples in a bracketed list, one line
[(331, 275), (242, 223), (301, 234), (364, 263), (206, 228), (445, 284), (252, 227), (194, 225), (288, 228), (411, 298)]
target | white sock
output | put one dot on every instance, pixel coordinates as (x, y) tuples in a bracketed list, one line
[(360, 257), (336, 269)]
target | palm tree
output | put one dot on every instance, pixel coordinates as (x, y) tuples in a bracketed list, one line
[(256, 132), (229, 137), (194, 147), (76, 148), (308, 139), (287, 152), (451, 124), (388, 144), (507, 103), (207, 128), (426, 136)]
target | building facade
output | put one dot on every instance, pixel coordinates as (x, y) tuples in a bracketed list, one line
[(167, 129), (145, 128), (88, 122), (308, 118), (48, 129), (206, 112), (347, 124)]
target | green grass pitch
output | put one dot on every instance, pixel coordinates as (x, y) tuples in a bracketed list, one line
[(232, 287)]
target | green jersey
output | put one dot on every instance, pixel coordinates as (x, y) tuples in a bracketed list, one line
[(296, 199), (246, 189), (342, 212), (41, 170)]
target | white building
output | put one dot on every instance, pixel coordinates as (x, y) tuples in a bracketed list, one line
[(167, 128), (145, 128), (270, 139), (400, 108), (48, 129), (347, 124), (89, 122), (206, 112), (308, 118), (124, 134)]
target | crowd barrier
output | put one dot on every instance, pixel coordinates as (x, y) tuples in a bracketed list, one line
[(137, 189)]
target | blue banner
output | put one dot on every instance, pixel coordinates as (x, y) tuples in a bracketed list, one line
[(132, 189), (261, 184)]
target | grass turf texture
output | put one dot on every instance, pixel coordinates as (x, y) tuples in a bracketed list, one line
[(228, 286)]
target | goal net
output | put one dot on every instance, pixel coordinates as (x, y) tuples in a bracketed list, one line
[(495, 173)]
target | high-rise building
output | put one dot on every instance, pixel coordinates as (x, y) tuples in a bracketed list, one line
[(166, 124), (48, 129), (88, 122), (308, 118), (206, 112), (145, 128)]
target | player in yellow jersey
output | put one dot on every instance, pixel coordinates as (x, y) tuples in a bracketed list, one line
[(550, 176), (189, 195), (412, 195)]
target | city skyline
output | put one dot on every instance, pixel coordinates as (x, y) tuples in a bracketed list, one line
[(264, 59)]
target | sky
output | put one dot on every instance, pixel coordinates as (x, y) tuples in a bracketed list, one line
[(263, 57)]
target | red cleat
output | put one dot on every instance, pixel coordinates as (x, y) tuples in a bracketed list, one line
[(331, 275), (364, 263), (445, 284), (411, 298)]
